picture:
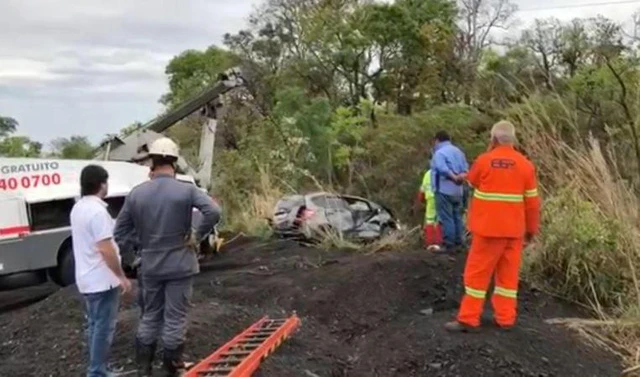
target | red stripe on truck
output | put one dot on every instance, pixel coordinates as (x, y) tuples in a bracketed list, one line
[(14, 230)]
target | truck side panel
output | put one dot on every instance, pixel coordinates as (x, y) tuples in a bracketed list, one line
[(33, 252)]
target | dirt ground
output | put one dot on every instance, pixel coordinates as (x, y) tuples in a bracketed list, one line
[(361, 317)]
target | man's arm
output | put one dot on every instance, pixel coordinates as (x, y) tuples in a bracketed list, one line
[(210, 213), (109, 252), (103, 232), (441, 166), (532, 204)]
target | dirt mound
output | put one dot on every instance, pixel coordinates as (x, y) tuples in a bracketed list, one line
[(361, 317)]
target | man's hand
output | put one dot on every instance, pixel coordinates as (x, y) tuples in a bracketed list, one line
[(458, 178), (191, 242), (125, 286)]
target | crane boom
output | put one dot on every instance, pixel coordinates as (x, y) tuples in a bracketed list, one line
[(227, 81), (134, 147)]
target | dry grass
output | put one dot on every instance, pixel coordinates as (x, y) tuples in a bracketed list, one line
[(589, 249), (397, 240), (254, 217), (330, 239)]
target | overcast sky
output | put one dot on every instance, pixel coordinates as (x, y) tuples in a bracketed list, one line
[(91, 67)]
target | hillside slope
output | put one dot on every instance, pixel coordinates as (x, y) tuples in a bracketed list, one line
[(361, 318)]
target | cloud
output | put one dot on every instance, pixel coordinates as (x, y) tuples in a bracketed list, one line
[(91, 66)]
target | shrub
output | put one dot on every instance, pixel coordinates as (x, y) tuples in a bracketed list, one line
[(589, 248), (576, 255)]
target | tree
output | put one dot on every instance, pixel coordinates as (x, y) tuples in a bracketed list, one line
[(193, 70), (478, 18), (542, 41), (413, 40), (504, 79), (348, 50), (133, 127), (75, 147), (16, 146), (19, 146), (7, 126), (573, 46)]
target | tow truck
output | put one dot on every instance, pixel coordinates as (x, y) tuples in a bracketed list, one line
[(36, 195)]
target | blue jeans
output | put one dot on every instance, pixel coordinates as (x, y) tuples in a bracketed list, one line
[(102, 314), (449, 212)]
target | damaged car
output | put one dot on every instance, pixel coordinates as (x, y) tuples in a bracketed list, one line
[(307, 217)]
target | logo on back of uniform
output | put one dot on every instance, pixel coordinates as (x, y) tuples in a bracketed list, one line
[(502, 163)]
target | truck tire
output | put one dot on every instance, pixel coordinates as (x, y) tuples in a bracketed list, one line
[(64, 274)]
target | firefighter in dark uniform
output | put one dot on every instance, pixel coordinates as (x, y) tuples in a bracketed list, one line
[(159, 211)]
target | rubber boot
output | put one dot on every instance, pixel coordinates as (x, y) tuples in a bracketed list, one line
[(144, 358), (172, 364)]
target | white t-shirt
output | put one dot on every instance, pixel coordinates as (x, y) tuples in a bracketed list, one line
[(90, 224)]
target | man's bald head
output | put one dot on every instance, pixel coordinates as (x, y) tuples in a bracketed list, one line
[(503, 133)]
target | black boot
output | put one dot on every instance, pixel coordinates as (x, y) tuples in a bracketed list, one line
[(172, 364), (144, 358)]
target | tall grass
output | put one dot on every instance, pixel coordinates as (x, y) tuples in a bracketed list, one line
[(589, 247), (255, 211)]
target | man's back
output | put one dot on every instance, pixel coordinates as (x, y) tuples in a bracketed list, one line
[(90, 224), (503, 202), (447, 158), (160, 211)]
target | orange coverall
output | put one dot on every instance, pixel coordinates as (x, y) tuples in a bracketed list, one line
[(505, 206)]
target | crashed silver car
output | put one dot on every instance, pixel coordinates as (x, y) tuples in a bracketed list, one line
[(308, 216)]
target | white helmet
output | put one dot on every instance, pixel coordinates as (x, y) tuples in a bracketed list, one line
[(164, 147)]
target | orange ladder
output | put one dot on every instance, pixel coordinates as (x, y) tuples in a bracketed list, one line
[(243, 354)]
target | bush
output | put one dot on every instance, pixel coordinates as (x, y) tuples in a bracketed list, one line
[(396, 151), (576, 255)]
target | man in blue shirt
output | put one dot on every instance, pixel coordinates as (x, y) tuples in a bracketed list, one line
[(448, 169)]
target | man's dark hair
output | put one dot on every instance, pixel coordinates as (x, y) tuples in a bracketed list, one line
[(157, 161), (91, 179), (442, 136)]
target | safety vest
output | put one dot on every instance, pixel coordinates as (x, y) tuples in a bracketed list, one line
[(430, 210), (505, 200)]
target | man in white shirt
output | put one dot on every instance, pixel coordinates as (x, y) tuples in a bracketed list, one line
[(99, 274)]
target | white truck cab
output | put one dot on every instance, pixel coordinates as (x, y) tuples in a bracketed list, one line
[(36, 198)]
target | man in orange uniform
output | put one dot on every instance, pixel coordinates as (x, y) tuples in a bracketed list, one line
[(504, 214)]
